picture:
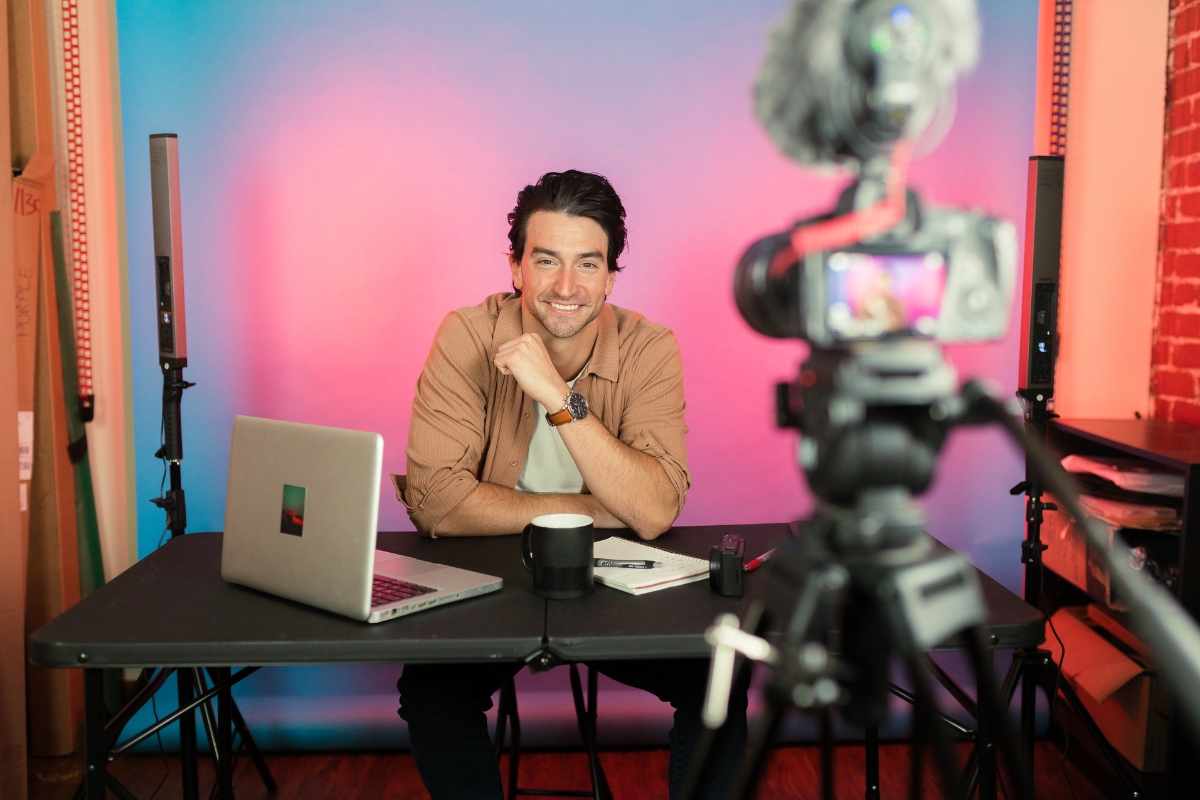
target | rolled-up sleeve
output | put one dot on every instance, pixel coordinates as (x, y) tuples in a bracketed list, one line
[(652, 421), (446, 431)]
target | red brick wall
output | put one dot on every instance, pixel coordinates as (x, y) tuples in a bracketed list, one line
[(1175, 360)]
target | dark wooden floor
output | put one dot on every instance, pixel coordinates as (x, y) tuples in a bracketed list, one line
[(633, 775)]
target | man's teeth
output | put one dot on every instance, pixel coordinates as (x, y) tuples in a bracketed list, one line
[(563, 307)]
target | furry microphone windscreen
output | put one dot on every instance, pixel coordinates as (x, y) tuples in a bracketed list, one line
[(815, 93)]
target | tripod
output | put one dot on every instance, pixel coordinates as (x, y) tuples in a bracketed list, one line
[(194, 691), (874, 419)]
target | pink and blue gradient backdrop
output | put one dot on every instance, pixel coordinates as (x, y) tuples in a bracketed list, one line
[(346, 171)]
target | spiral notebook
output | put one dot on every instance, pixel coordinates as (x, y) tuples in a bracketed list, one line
[(676, 570)]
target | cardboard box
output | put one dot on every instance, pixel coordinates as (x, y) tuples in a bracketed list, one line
[(1069, 555), (1116, 685)]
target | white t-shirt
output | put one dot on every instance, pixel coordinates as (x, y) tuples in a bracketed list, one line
[(549, 468)]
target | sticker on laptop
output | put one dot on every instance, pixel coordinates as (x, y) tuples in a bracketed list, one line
[(292, 518)]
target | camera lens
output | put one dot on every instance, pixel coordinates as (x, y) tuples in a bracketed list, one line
[(766, 286)]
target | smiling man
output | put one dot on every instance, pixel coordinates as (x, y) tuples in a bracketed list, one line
[(541, 401), (549, 399)]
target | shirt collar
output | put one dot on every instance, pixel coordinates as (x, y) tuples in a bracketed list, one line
[(508, 324), (606, 353)]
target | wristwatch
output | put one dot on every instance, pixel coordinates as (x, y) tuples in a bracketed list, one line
[(575, 407)]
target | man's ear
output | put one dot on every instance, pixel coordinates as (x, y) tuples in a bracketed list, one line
[(608, 285), (514, 266)]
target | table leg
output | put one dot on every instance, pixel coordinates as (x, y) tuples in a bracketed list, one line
[(97, 759), (187, 737), (986, 746), (872, 748), (224, 735), (827, 781), (1029, 682)]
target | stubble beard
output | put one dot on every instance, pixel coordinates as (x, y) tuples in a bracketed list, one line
[(558, 327)]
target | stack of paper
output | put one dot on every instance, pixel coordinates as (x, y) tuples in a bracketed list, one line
[(1131, 515), (1131, 474), (676, 569)]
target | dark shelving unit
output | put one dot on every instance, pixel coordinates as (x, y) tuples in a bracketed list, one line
[(1176, 447)]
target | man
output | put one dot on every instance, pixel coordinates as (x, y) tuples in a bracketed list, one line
[(541, 401)]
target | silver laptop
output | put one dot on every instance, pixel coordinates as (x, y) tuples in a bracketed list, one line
[(300, 516)]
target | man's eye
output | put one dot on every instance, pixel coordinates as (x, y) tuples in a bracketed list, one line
[(588, 266)]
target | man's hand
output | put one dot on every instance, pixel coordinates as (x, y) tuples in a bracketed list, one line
[(527, 360)]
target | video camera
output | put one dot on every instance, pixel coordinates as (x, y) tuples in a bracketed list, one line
[(942, 274), (861, 83)]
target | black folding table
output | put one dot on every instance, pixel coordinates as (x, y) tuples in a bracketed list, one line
[(172, 609)]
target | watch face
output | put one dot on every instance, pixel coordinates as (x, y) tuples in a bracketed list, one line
[(577, 405)]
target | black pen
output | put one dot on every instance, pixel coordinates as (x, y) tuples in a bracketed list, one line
[(604, 562)]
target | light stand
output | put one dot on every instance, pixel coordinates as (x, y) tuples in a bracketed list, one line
[(172, 358), (1039, 335), (173, 501)]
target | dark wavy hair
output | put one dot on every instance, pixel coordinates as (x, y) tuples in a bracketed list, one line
[(579, 194)]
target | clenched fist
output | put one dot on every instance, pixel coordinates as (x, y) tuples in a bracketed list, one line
[(527, 360)]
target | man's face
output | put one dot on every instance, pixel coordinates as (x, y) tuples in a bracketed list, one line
[(563, 274)]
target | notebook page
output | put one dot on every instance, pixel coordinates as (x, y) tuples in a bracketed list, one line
[(676, 569)]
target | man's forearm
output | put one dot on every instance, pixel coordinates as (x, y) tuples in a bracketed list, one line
[(491, 510), (633, 486)]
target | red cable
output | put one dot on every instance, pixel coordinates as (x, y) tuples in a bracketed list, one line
[(857, 225)]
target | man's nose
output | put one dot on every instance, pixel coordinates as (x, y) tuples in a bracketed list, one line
[(564, 284)]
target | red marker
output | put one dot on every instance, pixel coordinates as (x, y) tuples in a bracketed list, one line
[(758, 562)]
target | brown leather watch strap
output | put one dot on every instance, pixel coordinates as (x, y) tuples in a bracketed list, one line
[(560, 417)]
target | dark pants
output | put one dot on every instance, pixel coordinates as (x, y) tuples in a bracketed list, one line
[(444, 706)]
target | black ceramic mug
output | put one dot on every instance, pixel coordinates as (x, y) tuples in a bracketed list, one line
[(557, 550)]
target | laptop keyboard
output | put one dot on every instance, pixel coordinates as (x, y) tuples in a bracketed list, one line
[(385, 590)]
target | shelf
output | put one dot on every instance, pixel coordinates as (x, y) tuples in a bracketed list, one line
[(1172, 444)]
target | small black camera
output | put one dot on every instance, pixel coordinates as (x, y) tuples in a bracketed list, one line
[(725, 566)]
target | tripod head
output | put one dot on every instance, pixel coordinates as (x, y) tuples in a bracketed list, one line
[(872, 416)]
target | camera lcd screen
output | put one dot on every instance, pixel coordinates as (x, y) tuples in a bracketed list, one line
[(872, 296)]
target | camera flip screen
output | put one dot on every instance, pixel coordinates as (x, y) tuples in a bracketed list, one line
[(873, 296)]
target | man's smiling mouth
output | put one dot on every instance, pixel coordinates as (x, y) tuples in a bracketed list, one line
[(565, 306)]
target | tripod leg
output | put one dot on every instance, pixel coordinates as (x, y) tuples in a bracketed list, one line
[(593, 677), (872, 748), (991, 709), (118, 788), (916, 757), (187, 736), (146, 689), (210, 722), (252, 749), (761, 737), (1111, 755), (925, 721), (587, 729), (700, 767), (1029, 682)]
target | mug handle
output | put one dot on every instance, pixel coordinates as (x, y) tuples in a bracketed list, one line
[(526, 549)]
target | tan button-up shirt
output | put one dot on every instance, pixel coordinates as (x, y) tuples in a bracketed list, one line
[(470, 423)]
